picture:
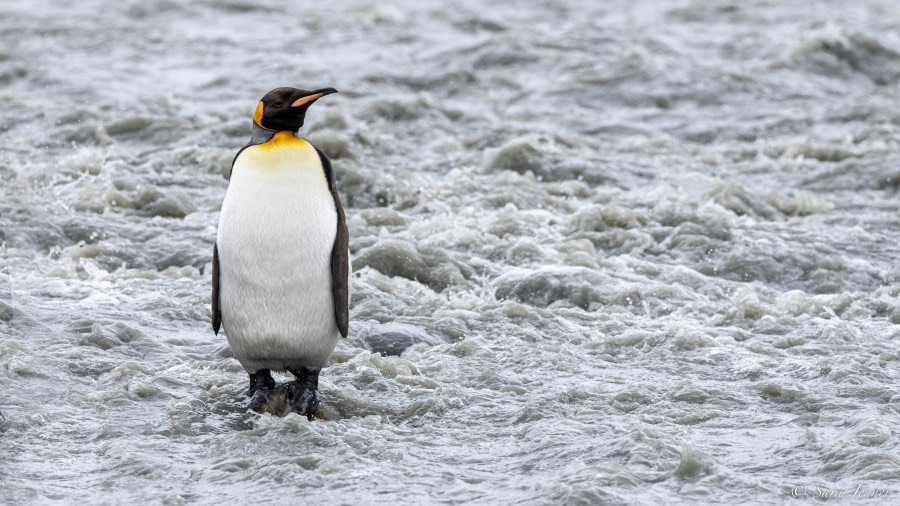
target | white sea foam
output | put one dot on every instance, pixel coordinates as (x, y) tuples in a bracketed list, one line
[(622, 252)]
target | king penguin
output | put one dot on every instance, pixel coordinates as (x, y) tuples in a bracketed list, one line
[(281, 264)]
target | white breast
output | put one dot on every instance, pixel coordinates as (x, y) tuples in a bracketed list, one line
[(276, 233)]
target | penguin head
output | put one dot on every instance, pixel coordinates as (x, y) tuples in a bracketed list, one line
[(285, 108)]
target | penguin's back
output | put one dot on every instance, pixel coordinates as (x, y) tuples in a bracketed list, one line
[(276, 235)]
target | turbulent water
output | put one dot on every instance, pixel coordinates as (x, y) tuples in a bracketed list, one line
[(631, 251)]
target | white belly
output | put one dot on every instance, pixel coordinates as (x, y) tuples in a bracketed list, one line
[(276, 233)]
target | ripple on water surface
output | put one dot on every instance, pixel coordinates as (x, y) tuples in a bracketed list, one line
[(613, 253)]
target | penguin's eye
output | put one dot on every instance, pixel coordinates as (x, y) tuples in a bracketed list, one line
[(278, 103)]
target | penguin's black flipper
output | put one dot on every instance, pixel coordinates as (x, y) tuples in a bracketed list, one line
[(340, 255), (253, 141), (216, 313)]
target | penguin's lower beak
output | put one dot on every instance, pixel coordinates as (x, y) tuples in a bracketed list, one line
[(312, 96)]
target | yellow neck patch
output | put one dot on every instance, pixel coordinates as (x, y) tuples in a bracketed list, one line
[(281, 138), (281, 154)]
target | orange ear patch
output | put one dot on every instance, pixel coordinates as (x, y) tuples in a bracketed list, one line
[(257, 116)]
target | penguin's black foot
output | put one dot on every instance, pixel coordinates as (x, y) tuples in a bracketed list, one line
[(302, 393), (303, 400), (262, 386), (260, 401)]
